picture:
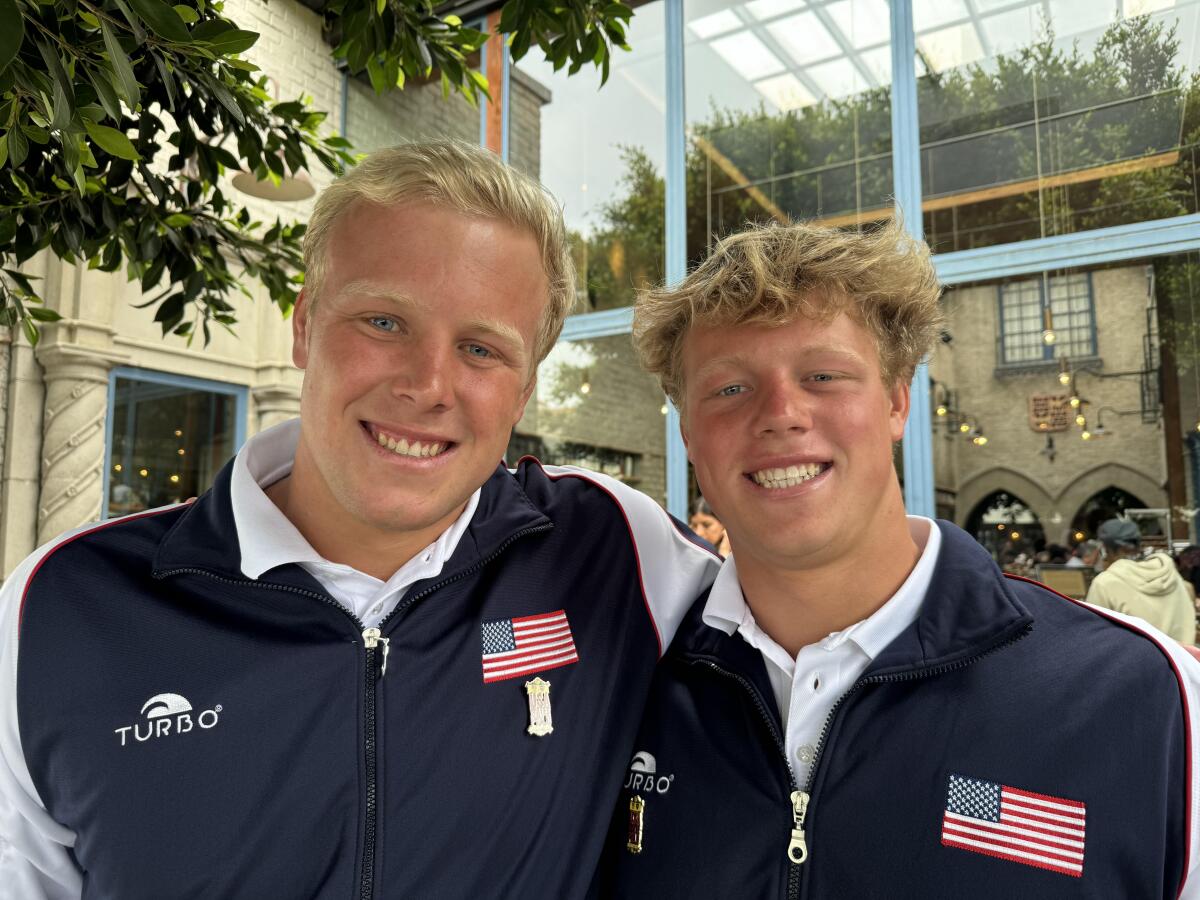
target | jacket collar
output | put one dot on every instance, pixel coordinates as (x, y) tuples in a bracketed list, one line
[(205, 536), (969, 609)]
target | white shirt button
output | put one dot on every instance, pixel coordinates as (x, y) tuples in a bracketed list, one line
[(805, 753)]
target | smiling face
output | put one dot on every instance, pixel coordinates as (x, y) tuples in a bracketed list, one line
[(790, 429), (418, 360)]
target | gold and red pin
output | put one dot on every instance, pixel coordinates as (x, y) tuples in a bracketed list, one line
[(636, 823)]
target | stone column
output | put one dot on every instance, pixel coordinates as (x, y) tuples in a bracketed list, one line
[(73, 439), (276, 403)]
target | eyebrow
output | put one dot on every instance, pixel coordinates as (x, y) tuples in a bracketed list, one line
[(501, 331), (743, 361)]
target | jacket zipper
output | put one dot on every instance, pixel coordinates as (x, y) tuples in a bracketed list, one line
[(375, 646), (797, 850)]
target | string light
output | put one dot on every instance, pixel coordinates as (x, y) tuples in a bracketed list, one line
[(1064, 371), (1081, 420), (143, 472), (1074, 401), (117, 467), (174, 479), (1079, 536), (178, 433), (1014, 535), (663, 409), (1087, 435), (941, 410), (1048, 335)]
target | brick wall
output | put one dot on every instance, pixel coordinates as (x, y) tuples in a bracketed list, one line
[(1132, 458), (622, 410)]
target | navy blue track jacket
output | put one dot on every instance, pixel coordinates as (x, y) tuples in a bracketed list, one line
[(1009, 744), (182, 731)]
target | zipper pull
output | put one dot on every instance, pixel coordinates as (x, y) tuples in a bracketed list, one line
[(797, 849), (373, 638)]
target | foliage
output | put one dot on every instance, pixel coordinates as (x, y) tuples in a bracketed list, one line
[(395, 41), (833, 159), (118, 118)]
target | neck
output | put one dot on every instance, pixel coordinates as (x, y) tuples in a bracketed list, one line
[(340, 537), (798, 606)]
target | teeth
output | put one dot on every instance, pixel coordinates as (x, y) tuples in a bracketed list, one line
[(404, 448), (785, 478)]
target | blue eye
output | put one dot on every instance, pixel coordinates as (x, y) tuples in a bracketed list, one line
[(730, 390), (383, 323), (822, 377), (478, 351)]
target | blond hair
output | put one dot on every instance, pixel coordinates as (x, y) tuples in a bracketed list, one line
[(468, 179), (772, 274)]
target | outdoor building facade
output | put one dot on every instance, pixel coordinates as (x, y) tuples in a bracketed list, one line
[(1048, 144)]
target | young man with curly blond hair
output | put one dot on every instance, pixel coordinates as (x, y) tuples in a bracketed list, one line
[(371, 661), (864, 705)]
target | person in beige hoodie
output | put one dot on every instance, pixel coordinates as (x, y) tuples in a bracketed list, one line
[(1146, 585)]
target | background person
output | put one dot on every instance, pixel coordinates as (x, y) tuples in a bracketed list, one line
[(1146, 585), (705, 523)]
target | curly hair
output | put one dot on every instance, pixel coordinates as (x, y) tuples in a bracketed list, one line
[(772, 274)]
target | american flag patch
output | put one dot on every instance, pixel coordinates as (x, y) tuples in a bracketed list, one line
[(1009, 823), (516, 647)]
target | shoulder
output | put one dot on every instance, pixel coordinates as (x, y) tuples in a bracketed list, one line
[(1103, 639), (88, 551)]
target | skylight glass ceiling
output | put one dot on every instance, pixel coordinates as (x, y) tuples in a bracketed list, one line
[(805, 51)]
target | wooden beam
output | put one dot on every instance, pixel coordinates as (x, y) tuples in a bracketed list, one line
[(1011, 189), (494, 120), (726, 165)]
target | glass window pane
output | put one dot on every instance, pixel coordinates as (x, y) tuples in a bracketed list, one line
[(167, 443), (789, 108), (601, 153), (1046, 117), (593, 407)]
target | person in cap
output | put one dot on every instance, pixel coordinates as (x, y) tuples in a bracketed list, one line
[(1146, 585), (864, 705)]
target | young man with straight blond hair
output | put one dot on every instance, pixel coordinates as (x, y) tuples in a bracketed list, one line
[(378, 662), (864, 705)]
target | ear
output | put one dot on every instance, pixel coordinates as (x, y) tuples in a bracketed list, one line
[(300, 331), (900, 398)]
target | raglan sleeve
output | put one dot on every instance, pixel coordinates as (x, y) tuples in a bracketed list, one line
[(675, 566), (35, 857)]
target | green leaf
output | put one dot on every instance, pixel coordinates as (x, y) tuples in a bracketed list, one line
[(3, 160), (41, 314), (233, 40), (163, 20), (210, 28), (112, 141), (178, 220), (105, 93), (187, 13), (127, 86), (18, 147), (31, 331), (12, 32)]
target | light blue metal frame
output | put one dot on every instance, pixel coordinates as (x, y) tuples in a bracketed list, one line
[(676, 232), (1086, 249), (1117, 243), (919, 497), (239, 392)]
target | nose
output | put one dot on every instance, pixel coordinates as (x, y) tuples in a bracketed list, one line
[(423, 375), (783, 407)]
